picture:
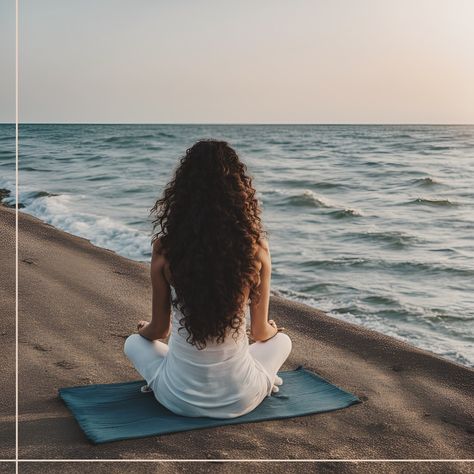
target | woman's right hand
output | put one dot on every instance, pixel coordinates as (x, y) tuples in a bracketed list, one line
[(142, 324)]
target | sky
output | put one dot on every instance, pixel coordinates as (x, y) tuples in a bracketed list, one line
[(239, 61)]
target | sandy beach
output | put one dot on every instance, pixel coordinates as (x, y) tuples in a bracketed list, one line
[(79, 302), (247, 468), (7, 335)]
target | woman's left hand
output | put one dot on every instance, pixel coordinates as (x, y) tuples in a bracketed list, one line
[(274, 324)]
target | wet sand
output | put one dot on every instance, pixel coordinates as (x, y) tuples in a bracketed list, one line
[(78, 303)]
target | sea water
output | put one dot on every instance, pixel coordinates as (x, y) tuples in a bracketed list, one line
[(373, 224)]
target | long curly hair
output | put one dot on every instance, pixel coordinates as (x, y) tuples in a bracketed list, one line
[(209, 226)]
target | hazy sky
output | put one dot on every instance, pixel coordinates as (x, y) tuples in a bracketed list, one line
[(7, 61), (223, 61)]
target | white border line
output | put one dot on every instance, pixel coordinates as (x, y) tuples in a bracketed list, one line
[(17, 460), (354, 461), (16, 234)]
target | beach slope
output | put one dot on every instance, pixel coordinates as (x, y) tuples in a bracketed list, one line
[(7, 334), (78, 303)]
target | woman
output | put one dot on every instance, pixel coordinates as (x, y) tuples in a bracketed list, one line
[(210, 272)]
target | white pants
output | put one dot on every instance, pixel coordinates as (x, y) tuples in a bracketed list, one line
[(147, 356)]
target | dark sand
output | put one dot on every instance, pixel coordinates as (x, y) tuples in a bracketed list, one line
[(246, 468), (79, 302), (7, 335), (7, 467)]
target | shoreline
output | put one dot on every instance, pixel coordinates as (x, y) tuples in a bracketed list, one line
[(5, 194), (79, 302)]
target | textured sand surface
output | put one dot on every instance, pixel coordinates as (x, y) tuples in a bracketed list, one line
[(249, 468), (7, 335), (79, 302)]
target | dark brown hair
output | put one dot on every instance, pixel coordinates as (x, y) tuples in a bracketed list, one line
[(209, 227)]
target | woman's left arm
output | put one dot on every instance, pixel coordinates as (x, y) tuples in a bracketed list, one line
[(160, 324)]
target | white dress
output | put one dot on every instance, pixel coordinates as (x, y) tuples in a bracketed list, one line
[(220, 381)]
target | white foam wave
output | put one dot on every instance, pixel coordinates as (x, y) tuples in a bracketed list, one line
[(416, 336), (58, 210), (305, 195), (318, 200), (10, 185)]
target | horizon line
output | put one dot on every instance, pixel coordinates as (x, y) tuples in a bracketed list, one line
[(251, 123)]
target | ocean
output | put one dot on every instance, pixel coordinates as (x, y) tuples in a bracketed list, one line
[(373, 224)]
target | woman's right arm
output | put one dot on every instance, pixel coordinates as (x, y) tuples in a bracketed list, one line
[(160, 324), (260, 328)]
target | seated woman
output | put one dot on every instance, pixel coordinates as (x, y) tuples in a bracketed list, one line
[(210, 273)]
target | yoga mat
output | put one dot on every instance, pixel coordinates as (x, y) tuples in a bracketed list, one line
[(112, 412)]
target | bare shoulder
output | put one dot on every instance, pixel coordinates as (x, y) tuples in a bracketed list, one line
[(264, 244), (159, 262), (263, 250), (158, 247), (158, 259)]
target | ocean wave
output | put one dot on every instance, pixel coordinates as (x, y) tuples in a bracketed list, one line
[(393, 238), (308, 183), (329, 185), (434, 202), (343, 213), (295, 296), (58, 210), (7, 193), (373, 163), (120, 143), (439, 147), (323, 288), (5, 197), (125, 139), (132, 139), (335, 262), (402, 136), (153, 147), (102, 177), (382, 300), (274, 141), (426, 181), (31, 168), (92, 158), (430, 268), (303, 198), (437, 315), (308, 198), (31, 195), (405, 267), (398, 324)]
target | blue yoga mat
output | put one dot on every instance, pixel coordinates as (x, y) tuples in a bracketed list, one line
[(113, 412)]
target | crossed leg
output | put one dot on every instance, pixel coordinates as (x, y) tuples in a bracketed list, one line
[(146, 356), (272, 354)]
